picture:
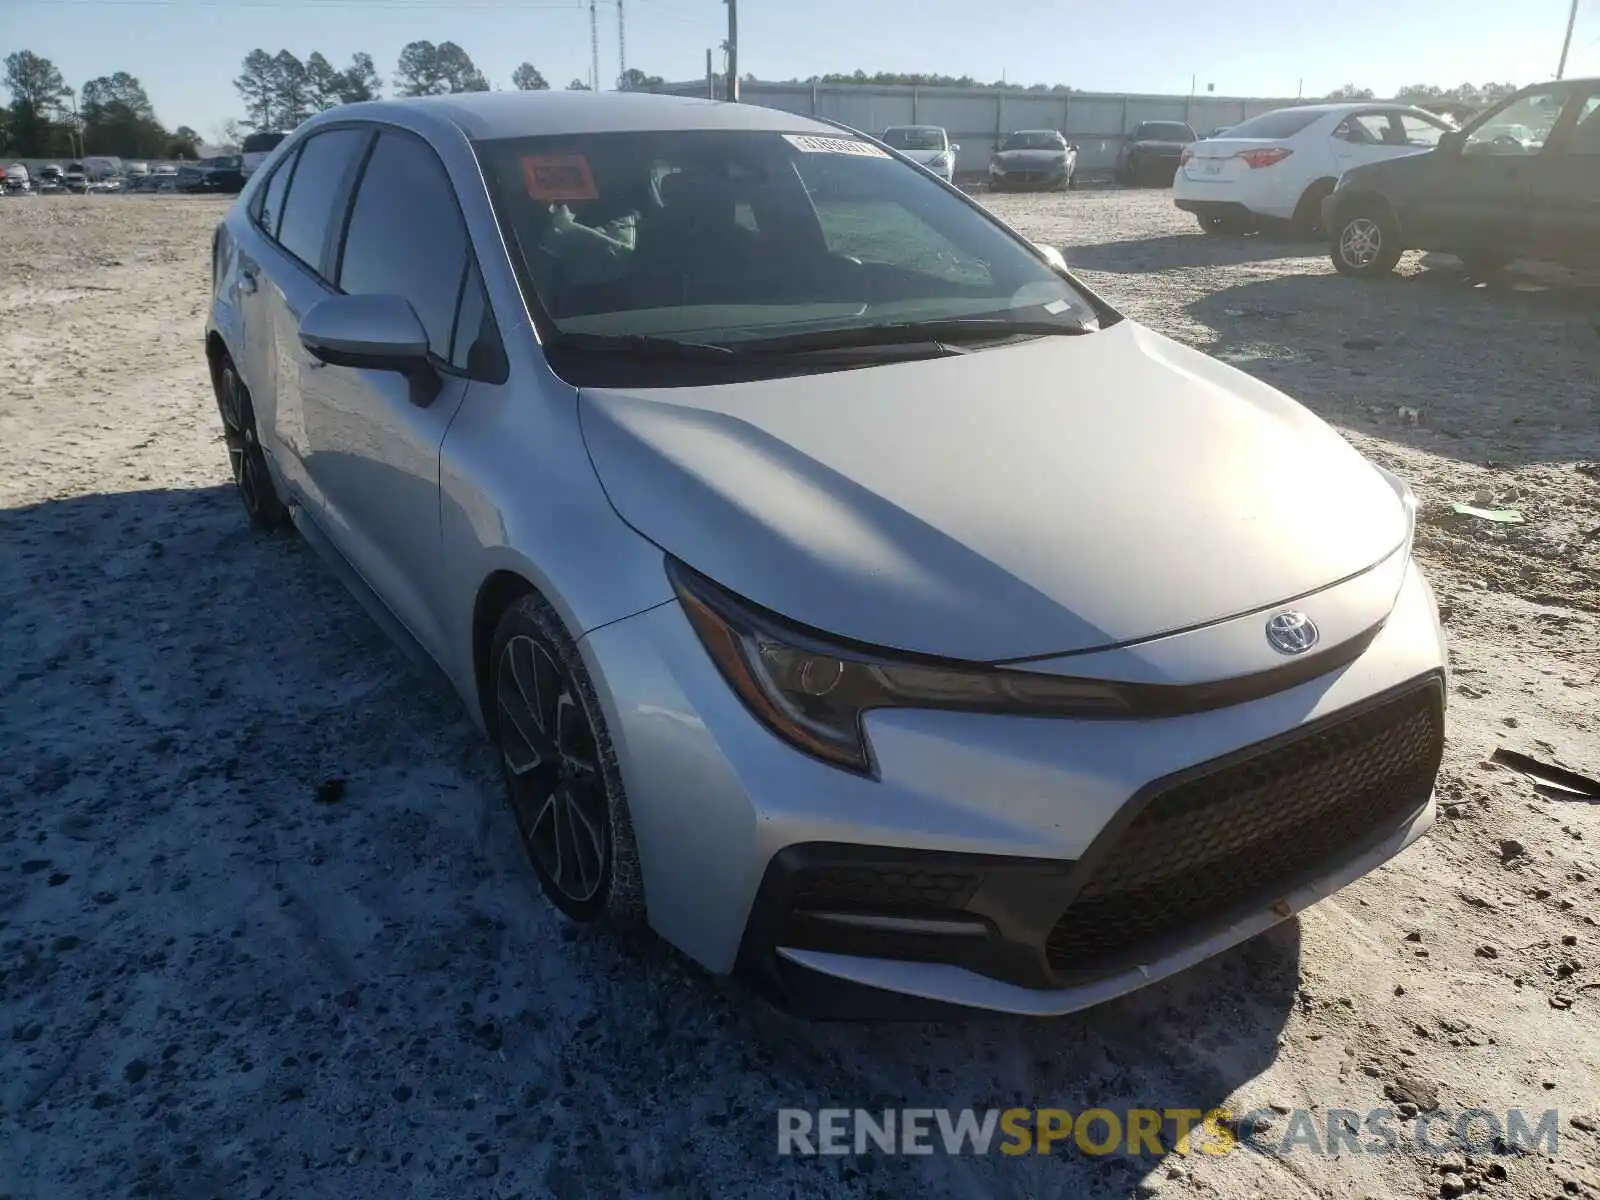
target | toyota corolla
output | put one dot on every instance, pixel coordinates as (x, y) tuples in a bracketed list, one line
[(850, 593)]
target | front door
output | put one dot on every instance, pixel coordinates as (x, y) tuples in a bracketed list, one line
[(1478, 197), (373, 454), (1564, 211)]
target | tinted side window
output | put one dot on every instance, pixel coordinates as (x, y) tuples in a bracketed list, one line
[(406, 236), (319, 176), (272, 196)]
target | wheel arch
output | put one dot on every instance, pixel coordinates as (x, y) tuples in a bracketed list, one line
[(217, 352), (500, 589), (1323, 183), (1346, 201)]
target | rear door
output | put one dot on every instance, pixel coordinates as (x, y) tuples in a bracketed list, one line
[(1365, 137), (1564, 208), (257, 356), (373, 455), (293, 277)]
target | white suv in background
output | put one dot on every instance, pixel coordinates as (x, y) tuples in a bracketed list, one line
[(926, 145), (1280, 166)]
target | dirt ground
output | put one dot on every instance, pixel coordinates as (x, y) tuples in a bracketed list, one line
[(212, 985)]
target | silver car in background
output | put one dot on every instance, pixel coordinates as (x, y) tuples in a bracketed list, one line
[(848, 591), (926, 145)]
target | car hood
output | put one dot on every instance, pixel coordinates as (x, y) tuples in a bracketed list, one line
[(1061, 494), (925, 156), (1029, 158), (1150, 147)]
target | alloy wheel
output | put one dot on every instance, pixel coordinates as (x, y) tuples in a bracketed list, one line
[(552, 762), (1361, 242), (239, 432)]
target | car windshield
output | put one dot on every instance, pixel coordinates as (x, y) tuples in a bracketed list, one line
[(729, 237), (915, 138), (1164, 131), (1034, 139)]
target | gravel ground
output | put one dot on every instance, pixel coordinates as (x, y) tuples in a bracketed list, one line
[(213, 985)]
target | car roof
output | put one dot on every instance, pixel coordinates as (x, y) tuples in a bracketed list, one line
[(487, 115), (1342, 106), (1014, 132)]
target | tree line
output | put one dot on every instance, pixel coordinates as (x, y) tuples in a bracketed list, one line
[(1477, 95), (280, 90), (1423, 94), (110, 114)]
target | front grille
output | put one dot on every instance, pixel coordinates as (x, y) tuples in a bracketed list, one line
[(880, 889), (1242, 835)]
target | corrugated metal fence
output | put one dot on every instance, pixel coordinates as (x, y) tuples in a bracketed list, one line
[(976, 118)]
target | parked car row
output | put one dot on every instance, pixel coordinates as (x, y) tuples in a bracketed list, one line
[(222, 175), (1520, 180)]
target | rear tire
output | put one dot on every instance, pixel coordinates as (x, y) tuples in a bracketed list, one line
[(251, 476), (1306, 224), (1365, 243), (1225, 226)]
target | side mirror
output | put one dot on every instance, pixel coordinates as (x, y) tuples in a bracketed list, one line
[(954, 146), (1073, 146), (1452, 141), (372, 333), (1057, 260)]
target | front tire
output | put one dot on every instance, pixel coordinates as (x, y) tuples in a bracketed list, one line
[(251, 476), (561, 775), (1365, 243)]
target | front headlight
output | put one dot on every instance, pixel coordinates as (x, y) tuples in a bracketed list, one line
[(812, 692), (1408, 500)]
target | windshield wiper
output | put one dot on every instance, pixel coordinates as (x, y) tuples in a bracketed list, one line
[(640, 345), (900, 333)]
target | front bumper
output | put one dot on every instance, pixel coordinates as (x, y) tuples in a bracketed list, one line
[(974, 870), (1027, 180)]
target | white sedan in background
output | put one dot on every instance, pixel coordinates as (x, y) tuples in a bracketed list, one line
[(1279, 166), (926, 145)]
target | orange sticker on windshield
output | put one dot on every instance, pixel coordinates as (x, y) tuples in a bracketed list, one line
[(558, 178)]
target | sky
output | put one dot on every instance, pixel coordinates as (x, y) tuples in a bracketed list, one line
[(187, 52)]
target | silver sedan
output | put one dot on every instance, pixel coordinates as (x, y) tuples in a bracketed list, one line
[(850, 593)]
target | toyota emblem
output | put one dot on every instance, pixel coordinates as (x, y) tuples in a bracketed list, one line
[(1291, 632)]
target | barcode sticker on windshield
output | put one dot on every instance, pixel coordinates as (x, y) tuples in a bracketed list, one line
[(810, 144)]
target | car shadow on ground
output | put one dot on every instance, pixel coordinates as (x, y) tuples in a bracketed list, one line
[(274, 929), (1475, 370), (1136, 256)]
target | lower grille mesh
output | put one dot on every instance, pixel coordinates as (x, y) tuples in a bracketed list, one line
[(1244, 833)]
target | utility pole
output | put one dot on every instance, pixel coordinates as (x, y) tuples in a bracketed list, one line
[(733, 49), (1566, 44), (622, 46), (594, 45), (711, 78)]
